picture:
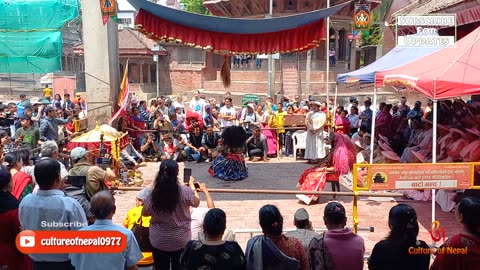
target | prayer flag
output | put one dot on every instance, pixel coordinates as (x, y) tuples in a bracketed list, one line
[(122, 96)]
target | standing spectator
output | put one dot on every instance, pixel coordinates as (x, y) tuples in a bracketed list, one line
[(47, 93), (392, 252), (49, 125), (212, 252), (467, 213), (403, 107), (354, 119), (227, 114), (257, 145), (103, 207), (366, 116), (178, 103), (67, 103), (339, 248), (57, 101), (315, 120), (170, 226), (11, 257), (28, 135), (80, 101), (250, 119), (208, 117), (22, 104), (331, 55), (416, 112), (138, 127), (22, 182), (96, 177), (197, 103), (304, 231), (284, 253), (50, 206)]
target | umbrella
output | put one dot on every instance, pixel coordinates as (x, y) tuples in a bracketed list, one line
[(91, 140)]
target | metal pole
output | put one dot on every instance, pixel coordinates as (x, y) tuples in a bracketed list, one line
[(434, 149), (270, 62), (349, 53), (157, 76), (327, 48), (307, 72)]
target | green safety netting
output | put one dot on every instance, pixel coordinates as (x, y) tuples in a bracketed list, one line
[(38, 52), (30, 34)]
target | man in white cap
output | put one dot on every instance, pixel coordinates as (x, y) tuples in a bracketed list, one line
[(315, 120), (304, 231), (96, 176), (249, 119)]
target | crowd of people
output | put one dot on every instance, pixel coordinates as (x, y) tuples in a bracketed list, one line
[(182, 236)]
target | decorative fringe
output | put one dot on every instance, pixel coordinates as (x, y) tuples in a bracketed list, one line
[(225, 73)]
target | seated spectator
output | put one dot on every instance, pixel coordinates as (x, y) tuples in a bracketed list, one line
[(28, 135), (193, 148), (213, 252), (96, 176), (209, 143), (150, 150), (130, 157), (169, 205), (11, 257), (177, 124), (392, 253), (162, 124), (230, 164), (22, 182), (467, 213), (50, 206), (274, 250), (304, 231), (339, 248), (103, 207), (172, 149), (257, 145)]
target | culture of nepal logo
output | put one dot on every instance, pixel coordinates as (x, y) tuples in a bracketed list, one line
[(437, 233)]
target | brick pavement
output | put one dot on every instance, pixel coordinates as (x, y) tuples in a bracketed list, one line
[(242, 209)]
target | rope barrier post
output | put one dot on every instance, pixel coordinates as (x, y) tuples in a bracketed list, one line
[(278, 143), (355, 198)]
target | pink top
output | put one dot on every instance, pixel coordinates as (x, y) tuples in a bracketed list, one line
[(346, 248), (171, 231)]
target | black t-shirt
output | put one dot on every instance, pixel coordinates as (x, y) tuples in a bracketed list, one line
[(197, 255), (196, 140), (388, 255)]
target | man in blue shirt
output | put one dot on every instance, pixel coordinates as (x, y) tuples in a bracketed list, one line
[(103, 207), (50, 209)]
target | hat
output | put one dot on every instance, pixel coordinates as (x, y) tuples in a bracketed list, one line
[(78, 153), (474, 131), (78, 94), (420, 156), (391, 155), (458, 131), (49, 109), (144, 193), (383, 138), (384, 146), (318, 103), (250, 105), (301, 215)]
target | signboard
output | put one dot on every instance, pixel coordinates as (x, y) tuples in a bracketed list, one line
[(426, 28), (361, 18), (421, 176)]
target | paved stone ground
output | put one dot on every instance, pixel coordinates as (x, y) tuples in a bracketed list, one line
[(242, 209)]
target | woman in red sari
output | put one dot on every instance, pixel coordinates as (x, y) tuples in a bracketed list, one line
[(22, 182), (338, 161), (467, 213), (10, 256)]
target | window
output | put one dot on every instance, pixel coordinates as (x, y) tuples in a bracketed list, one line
[(188, 55), (125, 21)]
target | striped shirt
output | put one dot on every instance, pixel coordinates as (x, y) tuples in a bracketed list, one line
[(171, 231)]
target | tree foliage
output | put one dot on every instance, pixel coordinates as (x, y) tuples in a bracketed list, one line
[(195, 6)]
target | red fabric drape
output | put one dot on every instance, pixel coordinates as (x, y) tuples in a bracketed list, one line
[(297, 39)]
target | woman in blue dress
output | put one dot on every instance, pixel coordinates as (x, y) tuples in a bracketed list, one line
[(230, 164)]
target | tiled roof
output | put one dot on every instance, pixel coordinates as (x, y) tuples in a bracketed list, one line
[(131, 39), (422, 7)]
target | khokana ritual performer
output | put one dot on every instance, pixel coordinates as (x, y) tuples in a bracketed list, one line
[(339, 161), (230, 164)]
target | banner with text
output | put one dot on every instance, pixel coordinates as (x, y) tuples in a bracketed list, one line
[(421, 176)]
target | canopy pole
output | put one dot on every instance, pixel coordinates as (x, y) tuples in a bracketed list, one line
[(372, 139), (327, 70), (270, 62), (335, 98), (434, 148)]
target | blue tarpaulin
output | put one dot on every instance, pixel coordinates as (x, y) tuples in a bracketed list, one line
[(397, 57)]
